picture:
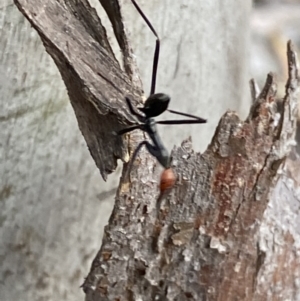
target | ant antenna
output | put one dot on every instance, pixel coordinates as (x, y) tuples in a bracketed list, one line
[(156, 52)]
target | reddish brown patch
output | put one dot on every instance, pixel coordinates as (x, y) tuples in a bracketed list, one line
[(106, 255), (167, 180)]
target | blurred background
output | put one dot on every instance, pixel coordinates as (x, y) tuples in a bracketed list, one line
[(272, 24), (53, 202)]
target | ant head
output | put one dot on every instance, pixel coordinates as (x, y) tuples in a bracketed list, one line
[(155, 105)]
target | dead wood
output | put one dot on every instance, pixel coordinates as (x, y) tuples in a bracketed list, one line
[(208, 240), (75, 38), (215, 236)]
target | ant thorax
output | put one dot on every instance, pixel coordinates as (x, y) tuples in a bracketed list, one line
[(150, 124)]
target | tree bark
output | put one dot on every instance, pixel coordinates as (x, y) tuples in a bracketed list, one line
[(206, 240), (217, 235), (50, 189), (47, 176)]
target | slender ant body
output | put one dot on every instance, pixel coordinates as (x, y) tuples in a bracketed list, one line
[(156, 104)]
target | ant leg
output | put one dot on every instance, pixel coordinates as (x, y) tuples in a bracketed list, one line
[(133, 110), (185, 114), (154, 67), (126, 130), (162, 156), (182, 121), (135, 153), (156, 52)]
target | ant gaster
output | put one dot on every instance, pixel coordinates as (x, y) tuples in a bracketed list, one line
[(155, 105)]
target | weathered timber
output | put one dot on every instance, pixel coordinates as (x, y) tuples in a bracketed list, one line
[(75, 38)]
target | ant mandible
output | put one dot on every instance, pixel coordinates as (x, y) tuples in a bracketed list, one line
[(156, 104)]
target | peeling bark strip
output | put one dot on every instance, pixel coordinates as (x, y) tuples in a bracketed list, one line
[(203, 244), (75, 38), (204, 240)]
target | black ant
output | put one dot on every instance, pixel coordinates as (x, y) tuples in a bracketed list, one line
[(155, 105)]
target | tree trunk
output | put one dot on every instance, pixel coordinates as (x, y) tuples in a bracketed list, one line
[(206, 239), (49, 184), (40, 142), (228, 231)]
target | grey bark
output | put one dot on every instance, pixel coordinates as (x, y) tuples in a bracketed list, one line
[(205, 240), (89, 115), (49, 184), (228, 231)]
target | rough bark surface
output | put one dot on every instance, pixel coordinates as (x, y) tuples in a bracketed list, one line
[(203, 241), (207, 239), (51, 194), (95, 82), (49, 184)]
